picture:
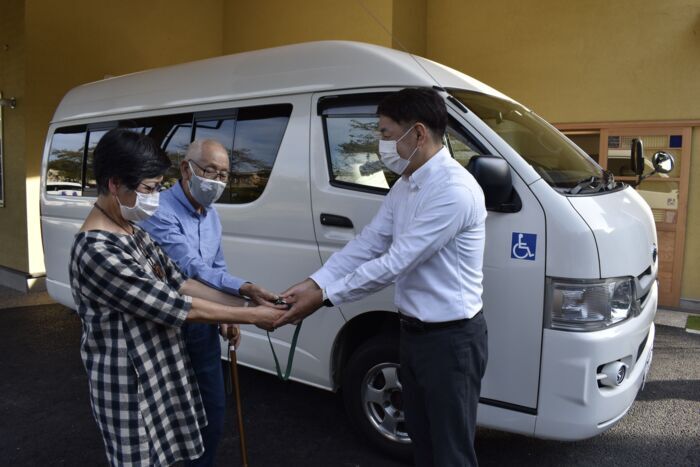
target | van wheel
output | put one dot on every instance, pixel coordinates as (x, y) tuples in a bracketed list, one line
[(372, 395)]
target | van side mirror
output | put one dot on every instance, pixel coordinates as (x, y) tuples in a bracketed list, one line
[(663, 162), (493, 174), (637, 157)]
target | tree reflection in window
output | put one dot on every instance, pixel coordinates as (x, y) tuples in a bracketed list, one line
[(64, 167), (258, 136), (353, 143), (90, 186)]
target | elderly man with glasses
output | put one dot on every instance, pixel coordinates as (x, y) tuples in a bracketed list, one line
[(188, 228)]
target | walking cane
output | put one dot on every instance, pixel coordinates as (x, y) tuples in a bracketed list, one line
[(237, 392)]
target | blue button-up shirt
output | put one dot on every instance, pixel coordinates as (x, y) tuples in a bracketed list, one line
[(191, 239)]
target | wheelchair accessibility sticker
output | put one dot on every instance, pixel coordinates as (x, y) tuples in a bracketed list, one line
[(523, 246)]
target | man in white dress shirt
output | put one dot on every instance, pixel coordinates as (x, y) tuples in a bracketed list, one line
[(428, 239)]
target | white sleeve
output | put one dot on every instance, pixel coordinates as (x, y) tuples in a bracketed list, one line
[(433, 226), (373, 241)]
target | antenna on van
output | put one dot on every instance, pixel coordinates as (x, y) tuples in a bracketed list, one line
[(404, 48)]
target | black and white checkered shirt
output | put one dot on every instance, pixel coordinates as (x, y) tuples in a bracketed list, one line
[(143, 390)]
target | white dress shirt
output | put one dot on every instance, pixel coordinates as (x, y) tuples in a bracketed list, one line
[(427, 237)]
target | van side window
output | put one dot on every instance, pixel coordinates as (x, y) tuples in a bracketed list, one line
[(258, 136), (64, 166), (89, 183), (173, 133), (220, 128), (353, 142), (252, 137), (461, 145)]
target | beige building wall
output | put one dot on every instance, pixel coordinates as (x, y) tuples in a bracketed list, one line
[(13, 218), (69, 43), (271, 23), (409, 31), (585, 61), (582, 61)]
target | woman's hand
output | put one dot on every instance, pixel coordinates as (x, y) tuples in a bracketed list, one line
[(259, 295), (264, 317)]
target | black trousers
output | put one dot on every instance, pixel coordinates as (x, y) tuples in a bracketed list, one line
[(441, 371)]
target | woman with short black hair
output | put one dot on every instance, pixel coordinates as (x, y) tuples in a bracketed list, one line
[(132, 300)]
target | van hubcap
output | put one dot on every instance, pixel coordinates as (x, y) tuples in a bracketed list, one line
[(382, 402)]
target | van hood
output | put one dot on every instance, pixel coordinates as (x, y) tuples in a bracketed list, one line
[(624, 230)]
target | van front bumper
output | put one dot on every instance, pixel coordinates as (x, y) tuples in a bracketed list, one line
[(572, 405)]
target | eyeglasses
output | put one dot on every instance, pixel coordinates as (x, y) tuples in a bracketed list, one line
[(211, 173), (157, 188)]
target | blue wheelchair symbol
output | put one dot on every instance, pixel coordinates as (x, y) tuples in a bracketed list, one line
[(524, 246)]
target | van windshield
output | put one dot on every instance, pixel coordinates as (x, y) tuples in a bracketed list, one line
[(549, 152)]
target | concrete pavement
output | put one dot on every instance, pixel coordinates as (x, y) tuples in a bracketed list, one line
[(45, 415)]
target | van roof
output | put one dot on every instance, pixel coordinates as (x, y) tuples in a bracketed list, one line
[(292, 69)]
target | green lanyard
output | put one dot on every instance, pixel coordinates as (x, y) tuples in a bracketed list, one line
[(290, 359)]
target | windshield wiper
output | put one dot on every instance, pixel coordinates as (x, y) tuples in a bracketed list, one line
[(594, 184), (581, 184)]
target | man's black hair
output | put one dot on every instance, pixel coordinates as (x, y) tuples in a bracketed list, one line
[(413, 105), (129, 157)]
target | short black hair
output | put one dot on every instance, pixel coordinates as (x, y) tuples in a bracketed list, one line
[(413, 105), (129, 157)]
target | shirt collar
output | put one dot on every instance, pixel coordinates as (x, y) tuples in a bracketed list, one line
[(421, 176), (181, 197)]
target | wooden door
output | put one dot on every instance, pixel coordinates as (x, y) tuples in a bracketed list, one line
[(667, 194)]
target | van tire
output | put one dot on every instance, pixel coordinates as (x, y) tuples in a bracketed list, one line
[(367, 367)]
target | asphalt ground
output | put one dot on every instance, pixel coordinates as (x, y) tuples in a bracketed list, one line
[(45, 417)]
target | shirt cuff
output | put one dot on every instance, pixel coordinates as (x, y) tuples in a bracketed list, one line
[(182, 311), (322, 278), (232, 284), (334, 291)]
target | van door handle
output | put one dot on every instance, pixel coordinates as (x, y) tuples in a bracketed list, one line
[(336, 221)]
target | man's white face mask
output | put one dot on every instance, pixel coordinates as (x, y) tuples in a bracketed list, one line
[(205, 191), (144, 207), (390, 155)]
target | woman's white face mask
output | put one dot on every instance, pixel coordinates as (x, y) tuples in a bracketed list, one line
[(144, 207), (390, 155)]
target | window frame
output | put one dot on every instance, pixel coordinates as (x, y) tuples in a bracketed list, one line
[(333, 103), (288, 108), (61, 130), (329, 160), (229, 113), (89, 128)]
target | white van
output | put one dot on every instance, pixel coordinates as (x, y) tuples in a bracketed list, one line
[(570, 265)]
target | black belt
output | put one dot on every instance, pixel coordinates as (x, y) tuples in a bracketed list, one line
[(410, 323)]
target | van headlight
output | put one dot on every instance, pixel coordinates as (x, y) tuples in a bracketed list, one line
[(578, 305)]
